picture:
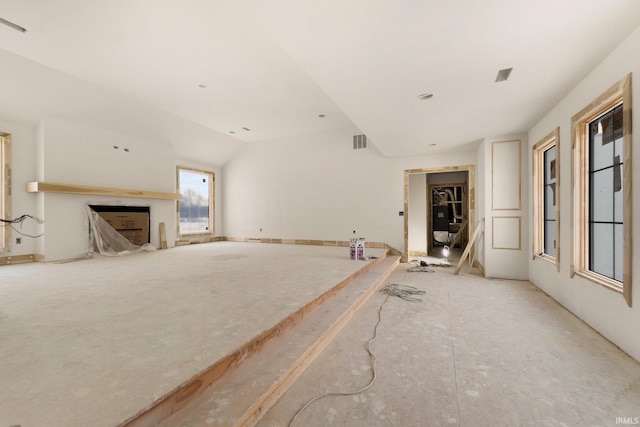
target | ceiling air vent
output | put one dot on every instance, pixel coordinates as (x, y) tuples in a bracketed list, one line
[(359, 142), (503, 75)]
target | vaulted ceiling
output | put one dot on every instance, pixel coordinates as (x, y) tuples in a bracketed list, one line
[(209, 76)]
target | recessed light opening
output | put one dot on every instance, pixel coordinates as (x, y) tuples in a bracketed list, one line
[(425, 96)]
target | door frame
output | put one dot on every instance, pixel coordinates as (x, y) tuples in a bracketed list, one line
[(470, 169)]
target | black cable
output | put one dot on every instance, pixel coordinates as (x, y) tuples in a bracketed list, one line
[(420, 270), (20, 220), (25, 234)]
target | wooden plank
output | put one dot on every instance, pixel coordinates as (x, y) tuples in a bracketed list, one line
[(458, 234), (47, 187), (17, 259), (163, 236), (469, 246), (180, 397), (255, 412)]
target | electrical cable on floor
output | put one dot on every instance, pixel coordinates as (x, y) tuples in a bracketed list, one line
[(443, 263), (420, 270), (403, 291), (392, 289)]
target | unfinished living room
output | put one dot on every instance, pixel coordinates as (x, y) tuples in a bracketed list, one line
[(381, 213)]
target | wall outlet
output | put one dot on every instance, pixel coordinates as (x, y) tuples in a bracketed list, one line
[(18, 240)]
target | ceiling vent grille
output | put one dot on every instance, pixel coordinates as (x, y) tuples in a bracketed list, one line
[(359, 142)]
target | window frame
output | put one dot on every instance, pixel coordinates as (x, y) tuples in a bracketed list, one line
[(5, 190), (619, 93), (539, 149), (212, 181)]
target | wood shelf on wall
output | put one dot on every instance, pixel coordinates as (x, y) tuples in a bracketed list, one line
[(47, 187)]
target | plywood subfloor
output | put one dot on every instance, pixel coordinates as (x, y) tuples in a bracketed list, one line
[(473, 353), (92, 342)]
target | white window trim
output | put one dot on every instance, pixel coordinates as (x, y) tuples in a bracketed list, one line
[(549, 141), (612, 97)]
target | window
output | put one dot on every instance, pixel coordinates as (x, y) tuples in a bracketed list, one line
[(602, 185), (5, 190), (195, 210), (546, 177)]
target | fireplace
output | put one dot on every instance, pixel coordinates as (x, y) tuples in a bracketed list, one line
[(133, 222)]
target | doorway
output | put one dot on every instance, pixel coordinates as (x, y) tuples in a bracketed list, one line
[(447, 206), (439, 207)]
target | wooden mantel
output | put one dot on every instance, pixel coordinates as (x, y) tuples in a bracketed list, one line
[(47, 187)]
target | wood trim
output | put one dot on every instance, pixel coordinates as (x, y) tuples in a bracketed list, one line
[(196, 240), (163, 236), (480, 268), (493, 144), (19, 259), (256, 411), (493, 228), (48, 187), (341, 243), (618, 93), (180, 397), (627, 192), (469, 246), (458, 234), (550, 140), (5, 191), (471, 180), (212, 205)]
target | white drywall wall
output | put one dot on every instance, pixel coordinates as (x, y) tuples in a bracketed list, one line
[(318, 187), (23, 153), (605, 310), (72, 153), (418, 218)]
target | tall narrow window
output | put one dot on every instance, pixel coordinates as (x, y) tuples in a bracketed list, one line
[(5, 191), (195, 209), (606, 224), (602, 184), (549, 158), (546, 178)]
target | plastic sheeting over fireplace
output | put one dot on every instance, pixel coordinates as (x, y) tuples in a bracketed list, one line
[(132, 222), (108, 240)]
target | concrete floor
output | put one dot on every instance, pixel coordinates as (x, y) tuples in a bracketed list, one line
[(474, 352), (90, 343), (93, 342)]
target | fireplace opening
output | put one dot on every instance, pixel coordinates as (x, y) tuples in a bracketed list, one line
[(132, 222)]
